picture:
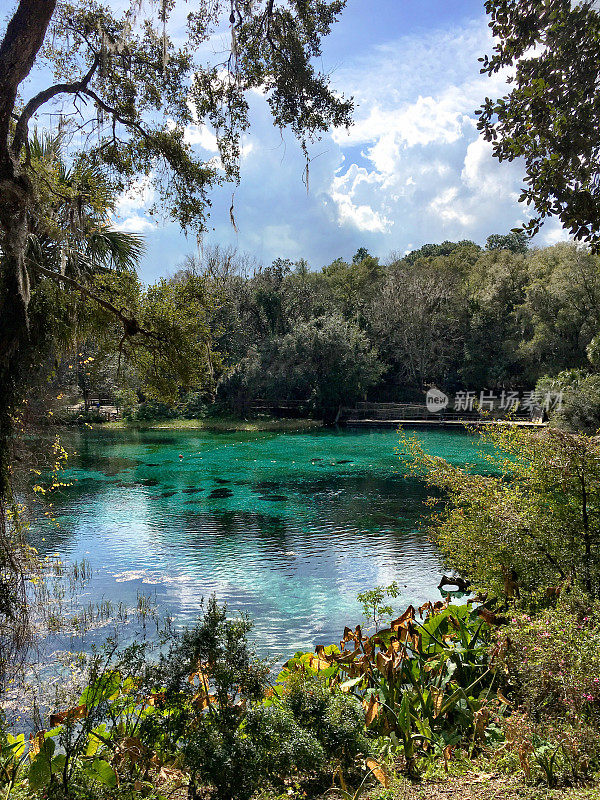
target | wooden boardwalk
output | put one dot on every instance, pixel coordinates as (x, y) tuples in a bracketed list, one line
[(412, 415), (432, 422)]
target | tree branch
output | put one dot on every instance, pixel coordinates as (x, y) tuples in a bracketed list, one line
[(130, 123), (42, 97), (130, 324)]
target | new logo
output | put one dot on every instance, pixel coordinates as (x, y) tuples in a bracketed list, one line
[(436, 401)]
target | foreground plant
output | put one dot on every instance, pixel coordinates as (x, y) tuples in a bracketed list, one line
[(529, 525), (428, 684), (552, 662), (199, 716)]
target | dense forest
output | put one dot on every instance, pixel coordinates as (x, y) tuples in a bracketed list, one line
[(454, 315)]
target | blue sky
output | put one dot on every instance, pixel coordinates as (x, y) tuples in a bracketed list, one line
[(411, 170)]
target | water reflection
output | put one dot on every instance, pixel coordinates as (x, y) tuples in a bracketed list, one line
[(288, 527)]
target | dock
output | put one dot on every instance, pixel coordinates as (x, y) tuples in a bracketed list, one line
[(395, 415), (439, 423)]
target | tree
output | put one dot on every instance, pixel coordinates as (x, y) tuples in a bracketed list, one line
[(443, 249), (579, 409), (360, 255), (419, 318), (551, 115), (496, 288), (128, 92), (531, 522), (326, 362), (560, 313), (516, 242)]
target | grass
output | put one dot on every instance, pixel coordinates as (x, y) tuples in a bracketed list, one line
[(220, 424), (478, 786)]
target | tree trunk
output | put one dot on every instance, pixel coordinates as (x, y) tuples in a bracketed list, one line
[(14, 329)]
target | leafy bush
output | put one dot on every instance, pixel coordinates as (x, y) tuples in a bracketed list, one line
[(197, 716), (154, 410), (552, 677), (335, 719), (426, 683), (126, 401), (193, 406), (554, 660), (527, 525)]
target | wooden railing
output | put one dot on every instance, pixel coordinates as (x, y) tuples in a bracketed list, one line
[(419, 411)]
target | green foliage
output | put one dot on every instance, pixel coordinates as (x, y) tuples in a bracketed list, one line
[(13, 758), (193, 406), (458, 317), (560, 312), (126, 401), (527, 525), (153, 410), (516, 242), (552, 664), (326, 363), (198, 715), (335, 719), (553, 660), (426, 684), (549, 117), (372, 601), (580, 405), (151, 83)]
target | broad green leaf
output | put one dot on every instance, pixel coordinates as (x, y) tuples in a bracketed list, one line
[(103, 772), (58, 762), (39, 772), (16, 744), (404, 714)]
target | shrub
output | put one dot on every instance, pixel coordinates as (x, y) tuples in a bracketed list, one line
[(553, 663), (528, 524), (335, 719), (554, 660), (427, 683), (151, 410), (193, 406), (126, 401), (195, 716)]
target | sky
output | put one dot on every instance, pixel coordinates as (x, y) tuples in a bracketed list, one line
[(412, 169)]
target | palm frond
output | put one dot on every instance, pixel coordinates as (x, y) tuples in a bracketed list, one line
[(115, 249), (46, 146)]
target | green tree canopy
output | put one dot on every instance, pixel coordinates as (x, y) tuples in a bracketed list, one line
[(551, 115), (326, 362), (516, 242)]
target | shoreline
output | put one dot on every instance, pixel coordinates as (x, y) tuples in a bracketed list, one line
[(221, 425)]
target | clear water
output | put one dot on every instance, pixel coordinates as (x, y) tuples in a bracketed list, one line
[(285, 526)]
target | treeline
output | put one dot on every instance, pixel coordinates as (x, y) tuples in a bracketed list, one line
[(455, 315)]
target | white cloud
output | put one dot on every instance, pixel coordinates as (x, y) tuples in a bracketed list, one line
[(446, 207), (202, 136), (425, 171), (412, 169), (553, 232), (136, 224), (346, 191), (140, 195)]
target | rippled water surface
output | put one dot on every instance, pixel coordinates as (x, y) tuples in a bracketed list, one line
[(286, 526)]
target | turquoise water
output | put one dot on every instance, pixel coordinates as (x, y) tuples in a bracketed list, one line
[(285, 526)]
